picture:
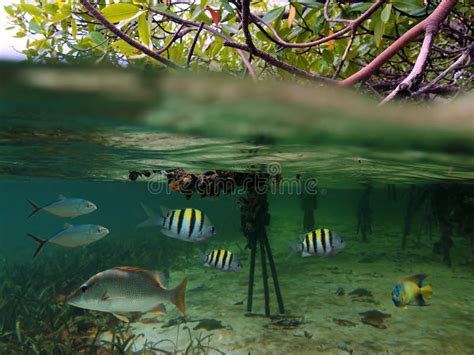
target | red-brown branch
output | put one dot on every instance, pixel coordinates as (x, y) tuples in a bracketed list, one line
[(430, 26)]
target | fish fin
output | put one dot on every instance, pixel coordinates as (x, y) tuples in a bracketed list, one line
[(41, 243), (419, 300), (160, 309), (153, 219), (122, 317), (164, 210), (305, 254), (130, 268), (35, 207), (426, 291), (295, 247), (179, 296), (162, 277), (201, 256), (61, 197), (417, 278)]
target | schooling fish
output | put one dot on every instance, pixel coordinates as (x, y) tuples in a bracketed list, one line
[(320, 242), (221, 259), (187, 224), (411, 290), (65, 207), (124, 291), (73, 236)]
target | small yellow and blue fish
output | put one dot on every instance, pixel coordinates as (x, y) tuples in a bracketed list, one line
[(322, 242), (221, 259), (188, 224), (125, 291), (73, 236), (65, 207), (412, 290)]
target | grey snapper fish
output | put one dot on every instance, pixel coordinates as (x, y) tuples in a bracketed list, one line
[(322, 242), (221, 259), (188, 224), (127, 290), (65, 207), (72, 236)]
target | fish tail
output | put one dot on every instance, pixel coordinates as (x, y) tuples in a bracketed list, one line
[(153, 218), (426, 291), (41, 243), (35, 207), (295, 247), (201, 256), (179, 295)]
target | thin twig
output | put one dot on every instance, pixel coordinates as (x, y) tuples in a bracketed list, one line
[(119, 33), (191, 51)]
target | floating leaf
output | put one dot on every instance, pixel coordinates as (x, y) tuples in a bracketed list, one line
[(144, 29), (119, 12), (214, 15), (291, 15)]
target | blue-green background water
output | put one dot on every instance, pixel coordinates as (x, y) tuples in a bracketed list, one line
[(61, 137)]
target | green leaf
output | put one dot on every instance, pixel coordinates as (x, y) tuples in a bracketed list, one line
[(97, 37), (119, 12), (310, 3), (9, 10), (385, 15), (34, 27), (61, 15), (412, 7), (272, 15), (31, 9), (379, 29), (144, 29)]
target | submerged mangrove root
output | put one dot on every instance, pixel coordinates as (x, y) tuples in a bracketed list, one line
[(309, 203), (416, 198), (441, 201), (364, 214), (254, 219)]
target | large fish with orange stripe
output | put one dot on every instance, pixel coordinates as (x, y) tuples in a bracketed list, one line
[(188, 224), (322, 242)]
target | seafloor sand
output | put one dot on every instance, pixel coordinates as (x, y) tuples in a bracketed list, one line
[(309, 288)]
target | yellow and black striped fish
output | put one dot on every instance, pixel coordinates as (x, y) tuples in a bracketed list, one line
[(221, 259), (188, 224), (321, 242)]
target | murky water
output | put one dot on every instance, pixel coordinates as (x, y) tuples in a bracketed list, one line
[(399, 191)]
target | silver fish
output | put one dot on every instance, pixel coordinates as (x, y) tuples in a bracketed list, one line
[(187, 224), (65, 207), (73, 236), (126, 290), (322, 242), (221, 259)]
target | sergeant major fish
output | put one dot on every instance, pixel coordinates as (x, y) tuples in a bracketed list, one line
[(126, 290), (65, 207), (411, 290), (322, 242), (187, 224), (73, 236), (221, 259)]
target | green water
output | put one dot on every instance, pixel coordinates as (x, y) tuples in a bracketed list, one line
[(62, 135)]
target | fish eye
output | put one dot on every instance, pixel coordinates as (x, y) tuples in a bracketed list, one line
[(84, 288)]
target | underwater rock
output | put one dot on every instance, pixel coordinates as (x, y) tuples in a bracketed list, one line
[(285, 323), (304, 333), (175, 321), (340, 291), (343, 322), (374, 318), (209, 324), (361, 292)]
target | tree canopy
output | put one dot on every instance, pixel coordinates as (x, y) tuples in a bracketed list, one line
[(391, 48)]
